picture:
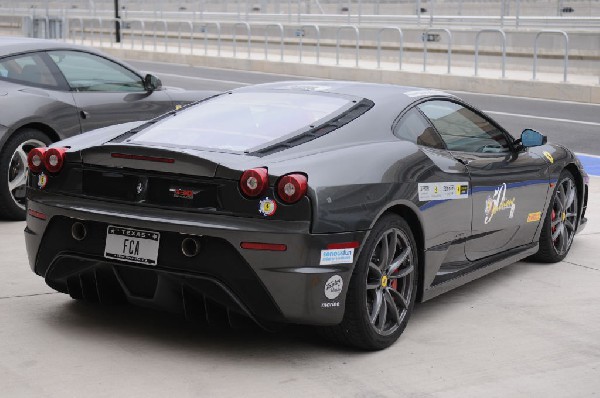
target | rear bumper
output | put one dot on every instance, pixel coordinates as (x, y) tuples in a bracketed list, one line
[(268, 286)]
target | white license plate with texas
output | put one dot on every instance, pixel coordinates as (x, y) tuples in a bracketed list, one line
[(133, 245)]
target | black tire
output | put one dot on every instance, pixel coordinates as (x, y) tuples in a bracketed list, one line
[(554, 244), (358, 328), (12, 201)]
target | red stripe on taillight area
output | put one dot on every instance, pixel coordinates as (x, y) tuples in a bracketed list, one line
[(37, 214), (142, 157), (274, 247), (344, 245)]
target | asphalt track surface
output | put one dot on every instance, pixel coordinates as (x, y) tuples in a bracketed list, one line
[(528, 330)]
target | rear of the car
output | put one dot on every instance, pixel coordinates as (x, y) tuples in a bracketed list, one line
[(184, 215)]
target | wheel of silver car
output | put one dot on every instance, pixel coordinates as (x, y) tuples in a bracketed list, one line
[(560, 223), (383, 288), (13, 171)]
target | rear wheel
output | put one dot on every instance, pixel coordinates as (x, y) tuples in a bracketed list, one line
[(13, 171), (383, 288), (560, 222)]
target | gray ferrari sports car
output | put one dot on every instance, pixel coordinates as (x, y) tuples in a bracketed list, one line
[(337, 204), (53, 90)]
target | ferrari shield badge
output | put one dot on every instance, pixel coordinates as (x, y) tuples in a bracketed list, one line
[(42, 181), (549, 156), (267, 207)]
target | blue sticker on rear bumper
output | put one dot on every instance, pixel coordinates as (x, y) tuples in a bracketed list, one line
[(337, 256)]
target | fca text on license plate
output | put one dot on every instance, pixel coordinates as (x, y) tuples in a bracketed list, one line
[(133, 245)]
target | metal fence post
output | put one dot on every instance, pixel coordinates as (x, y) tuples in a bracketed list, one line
[(400, 36), (447, 31), (565, 58), (280, 27), (503, 48), (337, 42), (318, 48), (248, 33)]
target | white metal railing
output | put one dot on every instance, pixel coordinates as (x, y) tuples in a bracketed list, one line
[(503, 36), (184, 33)]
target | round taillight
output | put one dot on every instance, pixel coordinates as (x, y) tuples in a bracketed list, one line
[(254, 182), (54, 159), (292, 187), (35, 159)]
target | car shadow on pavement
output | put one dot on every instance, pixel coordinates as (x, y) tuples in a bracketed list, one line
[(140, 326)]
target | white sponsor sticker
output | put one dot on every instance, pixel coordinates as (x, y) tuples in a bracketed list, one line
[(337, 256), (423, 93), (333, 287), (332, 304), (443, 190)]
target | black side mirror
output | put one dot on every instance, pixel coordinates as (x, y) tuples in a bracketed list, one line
[(531, 138), (152, 83)]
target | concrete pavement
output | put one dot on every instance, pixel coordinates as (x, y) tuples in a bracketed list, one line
[(528, 330)]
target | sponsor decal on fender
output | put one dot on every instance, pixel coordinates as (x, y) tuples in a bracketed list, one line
[(267, 207), (336, 256), (533, 217), (498, 202), (333, 287), (548, 156), (443, 190)]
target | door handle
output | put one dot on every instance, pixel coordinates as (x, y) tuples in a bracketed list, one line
[(84, 114)]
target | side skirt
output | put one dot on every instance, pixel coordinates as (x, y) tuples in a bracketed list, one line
[(480, 268)]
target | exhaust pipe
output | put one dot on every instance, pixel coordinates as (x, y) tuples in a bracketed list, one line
[(78, 231), (190, 247)]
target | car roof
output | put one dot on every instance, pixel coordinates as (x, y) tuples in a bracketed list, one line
[(15, 45), (401, 96)]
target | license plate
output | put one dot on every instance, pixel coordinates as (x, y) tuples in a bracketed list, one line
[(133, 245)]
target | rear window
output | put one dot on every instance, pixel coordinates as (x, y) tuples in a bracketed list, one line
[(240, 121)]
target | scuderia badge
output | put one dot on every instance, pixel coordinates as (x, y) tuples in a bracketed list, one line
[(42, 181), (267, 207)]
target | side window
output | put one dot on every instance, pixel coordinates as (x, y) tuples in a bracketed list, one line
[(88, 72), (414, 128), (28, 69), (464, 130)]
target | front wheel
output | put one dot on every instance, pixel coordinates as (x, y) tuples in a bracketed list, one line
[(560, 223), (383, 288)]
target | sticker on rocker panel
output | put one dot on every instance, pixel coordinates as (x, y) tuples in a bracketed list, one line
[(330, 304), (443, 190), (333, 287), (42, 181), (533, 217), (548, 156), (337, 256), (267, 207), (498, 202)]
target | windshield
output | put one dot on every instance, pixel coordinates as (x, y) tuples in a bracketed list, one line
[(240, 121)]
